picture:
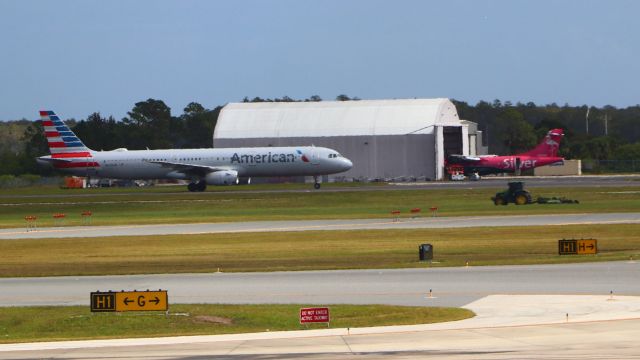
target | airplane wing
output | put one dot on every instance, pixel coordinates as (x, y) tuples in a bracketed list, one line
[(190, 169), (471, 158), (465, 157)]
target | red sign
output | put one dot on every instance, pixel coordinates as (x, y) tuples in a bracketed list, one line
[(314, 315)]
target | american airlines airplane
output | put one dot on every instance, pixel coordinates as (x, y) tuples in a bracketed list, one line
[(201, 166)]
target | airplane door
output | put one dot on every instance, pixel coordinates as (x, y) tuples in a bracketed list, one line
[(315, 157)]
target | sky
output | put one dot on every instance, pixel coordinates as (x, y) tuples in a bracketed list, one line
[(85, 56)]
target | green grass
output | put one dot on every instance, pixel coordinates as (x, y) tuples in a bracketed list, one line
[(312, 250), (159, 205), (24, 324)]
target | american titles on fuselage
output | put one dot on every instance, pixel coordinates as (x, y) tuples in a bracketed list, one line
[(264, 158)]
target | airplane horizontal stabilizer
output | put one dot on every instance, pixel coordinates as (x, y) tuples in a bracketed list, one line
[(55, 160)]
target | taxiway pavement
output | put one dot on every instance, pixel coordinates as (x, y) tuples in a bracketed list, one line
[(405, 222), (449, 286)]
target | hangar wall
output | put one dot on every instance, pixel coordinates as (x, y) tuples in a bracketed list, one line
[(570, 167), (385, 139), (374, 157)]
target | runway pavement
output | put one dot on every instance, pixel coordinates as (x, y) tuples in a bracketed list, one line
[(577, 316), (450, 286), (306, 225), (530, 181)]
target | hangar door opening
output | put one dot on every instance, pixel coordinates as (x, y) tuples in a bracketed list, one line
[(452, 140), (449, 141)]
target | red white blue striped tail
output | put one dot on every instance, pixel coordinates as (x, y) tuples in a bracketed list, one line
[(63, 143)]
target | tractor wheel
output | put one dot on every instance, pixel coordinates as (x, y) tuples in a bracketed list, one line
[(523, 198), (499, 200)]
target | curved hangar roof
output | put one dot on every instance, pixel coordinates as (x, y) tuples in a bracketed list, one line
[(334, 118)]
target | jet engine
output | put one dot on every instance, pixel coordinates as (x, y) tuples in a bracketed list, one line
[(225, 177)]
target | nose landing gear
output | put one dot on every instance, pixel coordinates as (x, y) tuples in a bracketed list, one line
[(316, 184)]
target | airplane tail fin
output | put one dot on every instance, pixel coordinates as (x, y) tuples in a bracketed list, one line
[(63, 143), (549, 145)]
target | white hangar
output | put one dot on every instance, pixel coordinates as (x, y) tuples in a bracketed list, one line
[(385, 139)]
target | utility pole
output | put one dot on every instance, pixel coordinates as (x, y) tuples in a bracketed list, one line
[(587, 121), (606, 124)]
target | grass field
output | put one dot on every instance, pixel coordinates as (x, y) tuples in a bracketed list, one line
[(297, 250), (312, 250), (164, 205), (23, 324)]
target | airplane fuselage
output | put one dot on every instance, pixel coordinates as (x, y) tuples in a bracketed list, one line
[(504, 164), (247, 162)]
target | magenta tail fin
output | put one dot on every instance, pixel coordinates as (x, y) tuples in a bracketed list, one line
[(549, 145)]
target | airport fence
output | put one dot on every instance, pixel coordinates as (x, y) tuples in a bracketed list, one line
[(11, 181), (610, 166)]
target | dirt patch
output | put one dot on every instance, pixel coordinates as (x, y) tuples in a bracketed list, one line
[(207, 319)]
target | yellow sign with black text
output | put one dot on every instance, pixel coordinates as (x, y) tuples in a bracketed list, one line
[(578, 247), (587, 246), (129, 301), (141, 301)]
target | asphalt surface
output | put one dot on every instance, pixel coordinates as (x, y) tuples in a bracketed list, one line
[(530, 182), (428, 222), (599, 340), (448, 286)]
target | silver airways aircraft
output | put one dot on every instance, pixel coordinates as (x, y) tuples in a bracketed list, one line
[(202, 167)]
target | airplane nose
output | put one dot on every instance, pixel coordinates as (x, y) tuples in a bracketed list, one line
[(346, 164)]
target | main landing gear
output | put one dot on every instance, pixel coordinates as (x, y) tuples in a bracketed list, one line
[(316, 184), (197, 186)]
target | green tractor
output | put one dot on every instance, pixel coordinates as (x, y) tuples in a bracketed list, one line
[(514, 194)]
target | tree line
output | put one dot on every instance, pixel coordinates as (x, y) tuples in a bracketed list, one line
[(607, 133)]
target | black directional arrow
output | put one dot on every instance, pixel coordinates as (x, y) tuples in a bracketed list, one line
[(127, 301), (590, 246), (156, 300)]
